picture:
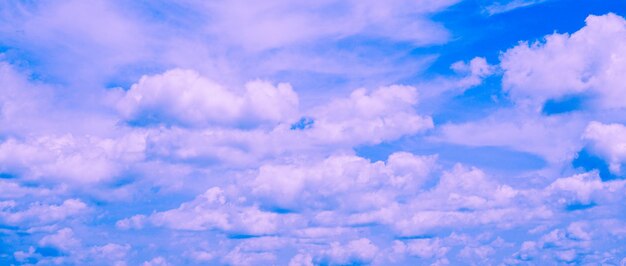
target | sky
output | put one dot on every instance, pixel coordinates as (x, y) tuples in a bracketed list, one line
[(354, 132)]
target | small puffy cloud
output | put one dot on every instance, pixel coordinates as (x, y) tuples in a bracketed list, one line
[(588, 62), (39, 213), (111, 252), (359, 251), (63, 240), (581, 187), (369, 117), (301, 260), (585, 189), (185, 97), (240, 257), (426, 248), (156, 261), (608, 141), (474, 72), (134, 222)]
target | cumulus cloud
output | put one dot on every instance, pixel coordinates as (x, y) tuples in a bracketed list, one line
[(608, 141), (184, 97), (63, 240), (38, 213), (369, 117), (212, 211), (588, 62), (359, 251), (339, 180)]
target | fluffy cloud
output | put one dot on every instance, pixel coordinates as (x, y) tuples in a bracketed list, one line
[(587, 62), (38, 213), (369, 117), (609, 141), (342, 181), (63, 240), (359, 251), (184, 97), (212, 211)]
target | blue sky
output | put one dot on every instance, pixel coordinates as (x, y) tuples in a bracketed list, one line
[(403, 132)]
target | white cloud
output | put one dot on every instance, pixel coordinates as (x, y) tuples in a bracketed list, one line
[(342, 181), (75, 35), (84, 159), (510, 5), (369, 117), (111, 252), (301, 260), (275, 24), (556, 139), (588, 61), (358, 251), (365, 117), (426, 248), (609, 141), (39, 213), (213, 211), (156, 261), (185, 97), (475, 71), (239, 257), (63, 240)]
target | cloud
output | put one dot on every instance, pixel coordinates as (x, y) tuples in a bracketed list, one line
[(358, 251), (342, 181), (63, 240), (608, 141), (587, 61), (199, 153), (74, 35), (83, 159), (276, 23), (156, 261), (247, 40), (510, 5), (369, 117), (364, 117), (184, 97), (556, 139), (38, 213), (212, 211)]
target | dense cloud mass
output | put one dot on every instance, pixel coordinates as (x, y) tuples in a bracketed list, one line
[(293, 133)]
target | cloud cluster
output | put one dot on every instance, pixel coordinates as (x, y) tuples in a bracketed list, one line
[(586, 63), (182, 164)]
